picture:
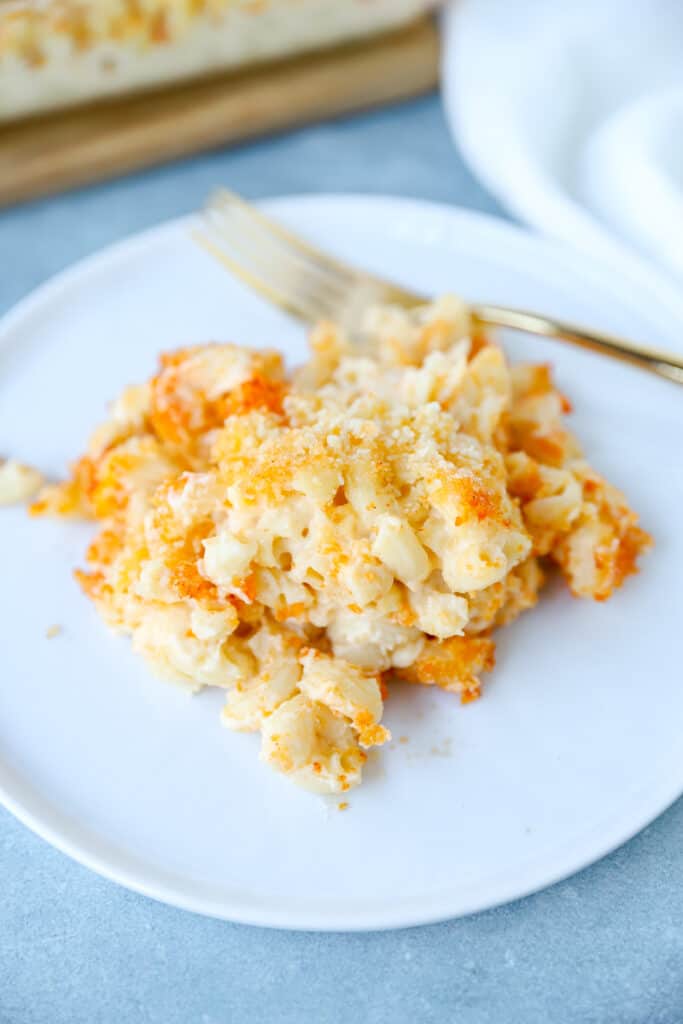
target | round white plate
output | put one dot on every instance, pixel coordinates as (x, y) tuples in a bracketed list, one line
[(575, 744)]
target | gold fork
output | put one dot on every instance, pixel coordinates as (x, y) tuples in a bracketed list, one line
[(312, 285)]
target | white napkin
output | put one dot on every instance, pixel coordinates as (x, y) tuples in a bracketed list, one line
[(572, 115)]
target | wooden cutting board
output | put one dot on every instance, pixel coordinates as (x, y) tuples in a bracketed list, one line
[(59, 151)]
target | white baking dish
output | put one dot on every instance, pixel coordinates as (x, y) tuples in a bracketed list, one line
[(58, 52)]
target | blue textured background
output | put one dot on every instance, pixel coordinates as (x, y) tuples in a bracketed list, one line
[(605, 947)]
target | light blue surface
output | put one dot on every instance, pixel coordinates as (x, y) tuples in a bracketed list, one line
[(605, 947)]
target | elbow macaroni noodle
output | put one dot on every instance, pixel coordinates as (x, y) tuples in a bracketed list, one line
[(301, 540)]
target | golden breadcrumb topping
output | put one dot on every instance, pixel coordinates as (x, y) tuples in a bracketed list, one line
[(25, 27), (302, 539)]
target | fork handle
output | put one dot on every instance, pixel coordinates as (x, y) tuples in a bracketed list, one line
[(664, 364)]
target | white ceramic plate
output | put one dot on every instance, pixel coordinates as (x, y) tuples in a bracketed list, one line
[(576, 742)]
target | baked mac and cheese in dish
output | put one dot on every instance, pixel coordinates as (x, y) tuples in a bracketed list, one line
[(303, 539)]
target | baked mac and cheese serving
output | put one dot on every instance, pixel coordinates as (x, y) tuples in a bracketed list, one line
[(301, 540)]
